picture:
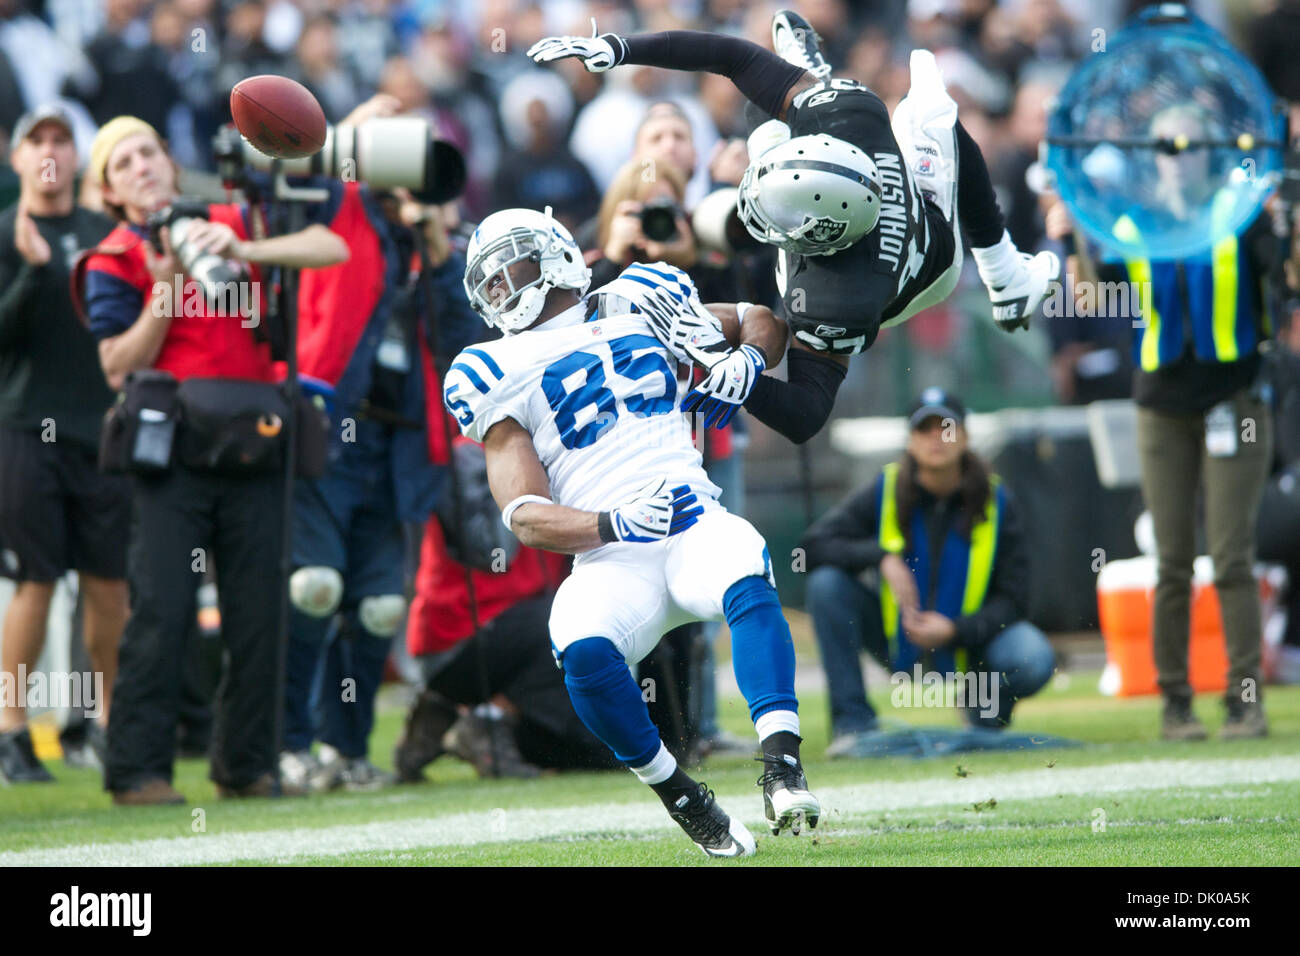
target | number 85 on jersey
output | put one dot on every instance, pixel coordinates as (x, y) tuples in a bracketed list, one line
[(588, 386)]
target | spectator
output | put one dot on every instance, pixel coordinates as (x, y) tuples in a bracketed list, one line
[(199, 497), (182, 35), (244, 51), (606, 128), (130, 70), (57, 512), (945, 539), (539, 170), (329, 80)]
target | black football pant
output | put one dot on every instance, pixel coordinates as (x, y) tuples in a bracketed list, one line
[(183, 522), (511, 655)]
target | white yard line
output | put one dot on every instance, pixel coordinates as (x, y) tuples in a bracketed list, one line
[(500, 826)]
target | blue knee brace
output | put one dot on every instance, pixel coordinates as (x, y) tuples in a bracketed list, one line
[(762, 650), (608, 701)]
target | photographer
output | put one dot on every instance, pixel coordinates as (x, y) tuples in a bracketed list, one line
[(365, 331), (206, 430), (57, 512), (641, 220)]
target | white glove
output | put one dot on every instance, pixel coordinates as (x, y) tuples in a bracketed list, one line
[(731, 377), (598, 53), (671, 305), (654, 513)]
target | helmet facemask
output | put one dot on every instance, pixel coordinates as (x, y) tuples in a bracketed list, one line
[(501, 286), (523, 255)]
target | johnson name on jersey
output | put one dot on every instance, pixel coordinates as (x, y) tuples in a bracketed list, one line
[(600, 399), (852, 292)]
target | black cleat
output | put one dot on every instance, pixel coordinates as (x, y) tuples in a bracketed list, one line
[(709, 826), (796, 42), (787, 801), (18, 761), (420, 744)]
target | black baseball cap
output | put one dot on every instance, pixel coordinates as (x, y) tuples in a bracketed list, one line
[(933, 402), (51, 113)]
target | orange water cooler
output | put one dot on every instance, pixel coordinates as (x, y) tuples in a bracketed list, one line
[(1125, 597)]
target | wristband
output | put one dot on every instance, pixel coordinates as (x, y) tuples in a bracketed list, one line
[(741, 309), (508, 512), (605, 527)]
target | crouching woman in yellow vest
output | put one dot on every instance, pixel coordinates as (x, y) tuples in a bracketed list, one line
[(926, 566), (1203, 416)]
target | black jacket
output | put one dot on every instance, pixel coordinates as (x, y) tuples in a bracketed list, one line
[(847, 537)]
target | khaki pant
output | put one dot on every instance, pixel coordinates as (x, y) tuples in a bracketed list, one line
[(1174, 462)]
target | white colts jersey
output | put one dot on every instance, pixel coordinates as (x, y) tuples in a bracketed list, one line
[(599, 398)]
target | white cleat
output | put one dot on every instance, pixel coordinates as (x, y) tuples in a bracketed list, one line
[(1015, 302), (787, 801)]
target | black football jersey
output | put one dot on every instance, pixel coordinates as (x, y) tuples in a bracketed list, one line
[(849, 294)]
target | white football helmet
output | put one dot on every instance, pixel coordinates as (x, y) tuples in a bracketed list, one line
[(812, 195), (505, 299)]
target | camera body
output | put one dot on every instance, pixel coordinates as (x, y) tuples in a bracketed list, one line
[(659, 219), (212, 272)]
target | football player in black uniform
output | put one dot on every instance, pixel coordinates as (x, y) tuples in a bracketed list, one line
[(864, 210)]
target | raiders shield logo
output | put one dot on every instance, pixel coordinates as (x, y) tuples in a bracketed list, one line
[(826, 230)]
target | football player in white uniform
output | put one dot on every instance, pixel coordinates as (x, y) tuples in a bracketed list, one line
[(862, 207), (588, 454)]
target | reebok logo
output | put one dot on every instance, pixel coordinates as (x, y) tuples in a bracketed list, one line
[(102, 909)]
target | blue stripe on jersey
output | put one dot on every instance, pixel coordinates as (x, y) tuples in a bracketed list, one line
[(666, 276), (469, 374), (654, 285), (487, 360)]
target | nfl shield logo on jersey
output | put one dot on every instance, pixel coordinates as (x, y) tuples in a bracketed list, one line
[(825, 230)]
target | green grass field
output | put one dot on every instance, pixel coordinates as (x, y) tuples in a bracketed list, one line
[(1124, 799)]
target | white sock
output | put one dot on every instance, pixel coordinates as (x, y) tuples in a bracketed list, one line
[(657, 770), (998, 264), (775, 721)]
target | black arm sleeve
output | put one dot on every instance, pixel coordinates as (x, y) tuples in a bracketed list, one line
[(847, 535), (762, 76), (799, 407), (1007, 600)]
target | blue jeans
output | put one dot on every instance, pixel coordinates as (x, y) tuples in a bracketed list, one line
[(348, 521), (846, 618)]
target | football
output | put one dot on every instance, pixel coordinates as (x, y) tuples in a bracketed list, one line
[(278, 116)]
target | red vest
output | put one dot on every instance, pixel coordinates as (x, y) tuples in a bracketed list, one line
[(335, 304), (204, 345), (440, 618)]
